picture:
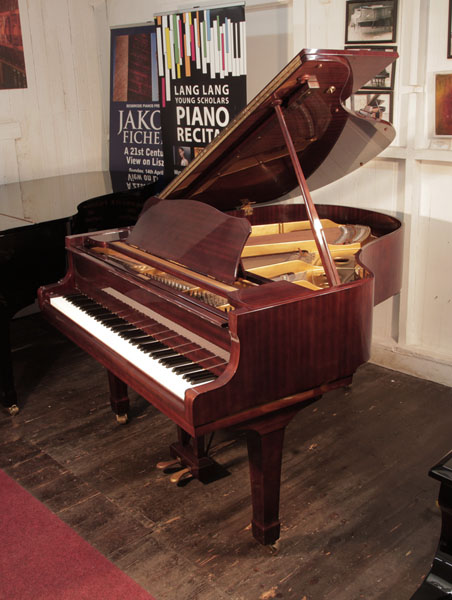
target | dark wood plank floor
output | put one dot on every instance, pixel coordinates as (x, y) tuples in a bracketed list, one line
[(358, 510)]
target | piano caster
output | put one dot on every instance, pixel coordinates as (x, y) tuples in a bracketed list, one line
[(13, 409), (118, 398)]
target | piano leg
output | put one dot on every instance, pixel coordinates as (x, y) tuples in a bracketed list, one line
[(119, 399), (7, 391), (265, 439)]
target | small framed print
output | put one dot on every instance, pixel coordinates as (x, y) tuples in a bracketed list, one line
[(374, 21), (385, 79), (449, 31), (377, 105), (443, 104)]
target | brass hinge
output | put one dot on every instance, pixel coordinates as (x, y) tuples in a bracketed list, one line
[(247, 207)]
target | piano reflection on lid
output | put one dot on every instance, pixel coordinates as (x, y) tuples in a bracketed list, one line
[(224, 314)]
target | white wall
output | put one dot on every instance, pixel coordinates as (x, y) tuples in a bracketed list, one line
[(57, 124), (60, 125), (412, 333)]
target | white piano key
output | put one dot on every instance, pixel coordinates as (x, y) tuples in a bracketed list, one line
[(146, 363), (155, 316)]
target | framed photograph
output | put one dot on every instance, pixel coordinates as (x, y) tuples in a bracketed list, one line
[(371, 22), (449, 31), (443, 104), (385, 79), (377, 105)]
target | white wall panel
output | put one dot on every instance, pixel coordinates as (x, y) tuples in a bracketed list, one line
[(61, 111), (434, 255), (268, 43)]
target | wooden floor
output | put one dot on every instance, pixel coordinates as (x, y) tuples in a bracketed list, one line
[(358, 511)]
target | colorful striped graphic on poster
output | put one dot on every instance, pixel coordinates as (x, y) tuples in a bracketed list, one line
[(136, 155), (202, 78)]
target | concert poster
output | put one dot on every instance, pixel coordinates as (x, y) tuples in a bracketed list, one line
[(12, 61), (202, 78), (136, 155)]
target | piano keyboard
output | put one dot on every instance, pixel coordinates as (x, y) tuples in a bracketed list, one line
[(155, 357)]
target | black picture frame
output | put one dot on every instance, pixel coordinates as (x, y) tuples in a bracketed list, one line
[(384, 80), (371, 21), (377, 104), (449, 31)]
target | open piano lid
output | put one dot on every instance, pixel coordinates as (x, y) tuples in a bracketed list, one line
[(249, 161)]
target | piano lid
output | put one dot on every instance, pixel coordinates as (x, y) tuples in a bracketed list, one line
[(249, 162)]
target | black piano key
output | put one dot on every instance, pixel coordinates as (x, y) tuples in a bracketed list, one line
[(149, 346), (188, 368), (164, 360), (145, 339), (162, 353), (83, 305), (76, 297), (95, 311), (112, 320), (125, 327), (176, 361), (130, 334), (199, 376), (79, 299)]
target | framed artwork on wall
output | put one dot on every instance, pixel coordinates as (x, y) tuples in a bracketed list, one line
[(378, 105), (443, 104), (373, 22), (385, 79)]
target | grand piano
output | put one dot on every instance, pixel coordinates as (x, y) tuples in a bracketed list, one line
[(226, 314)]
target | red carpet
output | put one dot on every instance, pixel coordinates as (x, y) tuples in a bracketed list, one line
[(42, 558)]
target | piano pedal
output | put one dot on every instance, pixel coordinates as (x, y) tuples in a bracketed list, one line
[(168, 465), (183, 475), (122, 419), (13, 409), (177, 470)]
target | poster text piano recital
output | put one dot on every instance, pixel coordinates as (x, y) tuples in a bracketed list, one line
[(202, 79)]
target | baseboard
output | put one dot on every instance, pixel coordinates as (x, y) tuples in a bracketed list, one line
[(413, 361)]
